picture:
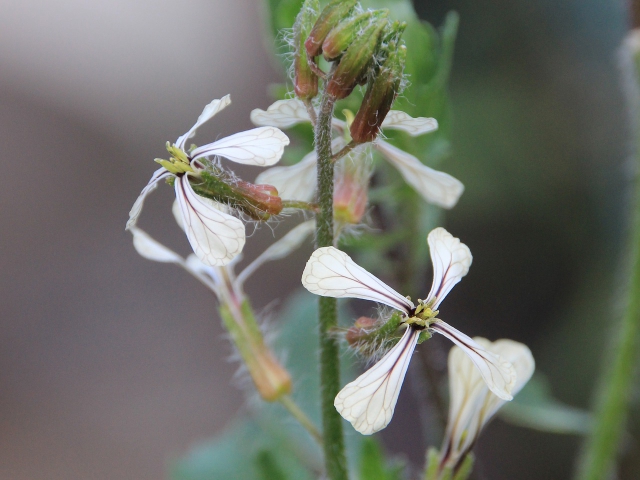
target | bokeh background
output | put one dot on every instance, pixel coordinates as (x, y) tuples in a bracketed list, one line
[(112, 366)]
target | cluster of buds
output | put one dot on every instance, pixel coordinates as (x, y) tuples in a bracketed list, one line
[(365, 49)]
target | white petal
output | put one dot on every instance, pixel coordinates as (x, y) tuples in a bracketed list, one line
[(177, 214), (398, 120), (435, 187), (281, 114), (216, 238), (519, 355), (280, 249), (499, 375), (369, 401), (209, 111), (260, 146), (331, 273), (472, 405), (152, 249), (296, 182), (134, 213), (451, 261)]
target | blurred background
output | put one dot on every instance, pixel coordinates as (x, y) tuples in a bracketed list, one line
[(112, 366)]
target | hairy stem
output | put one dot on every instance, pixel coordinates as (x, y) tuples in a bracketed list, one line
[(602, 445), (335, 460)]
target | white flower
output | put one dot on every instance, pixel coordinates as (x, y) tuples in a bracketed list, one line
[(222, 280), (298, 182), (215, 236), (472, 405), (369, 401)]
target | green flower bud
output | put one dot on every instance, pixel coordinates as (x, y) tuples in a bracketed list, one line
[(355, 60), (343, 34), (271, 379), (379, 97), (305, 81), (332, 14), (257, 201)]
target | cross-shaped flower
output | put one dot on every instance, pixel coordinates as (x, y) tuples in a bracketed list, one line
[(215, 236), (297, 182), (369, 401)]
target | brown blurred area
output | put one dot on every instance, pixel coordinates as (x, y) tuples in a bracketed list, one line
[(110, 365)]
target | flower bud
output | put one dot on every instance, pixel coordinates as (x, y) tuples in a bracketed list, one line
[(257, 201), (351, 189), (270, 378), (262, 201), (305, 81), (362, 327), (355, 60), (332, 14), (379, 97), (343, 34)]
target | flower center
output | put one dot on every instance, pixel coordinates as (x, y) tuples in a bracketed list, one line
[(179, 162), (422, 316)]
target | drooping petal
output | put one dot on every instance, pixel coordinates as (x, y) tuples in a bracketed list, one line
[(216, 238), (519, 355), (295, 182), (451, 261), (472, 405), (398, 120), (134, 213), (331, 273), (151, 249), (261, 146), (435, 187), (280, 249), (281, 114), (498, 374), (369, 401), (209, 111)]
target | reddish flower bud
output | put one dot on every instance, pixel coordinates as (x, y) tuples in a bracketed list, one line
[(379, 97), (360, 329), (305, 81), (355, 60), (332, 14), (260, 201)]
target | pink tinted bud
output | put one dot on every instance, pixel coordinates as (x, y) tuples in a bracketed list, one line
[(261, 201), (360, 329), (351, 190)]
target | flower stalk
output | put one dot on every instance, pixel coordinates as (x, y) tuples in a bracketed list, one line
[(333, 437)]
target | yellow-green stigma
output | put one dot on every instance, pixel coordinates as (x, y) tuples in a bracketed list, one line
[(178, 163)]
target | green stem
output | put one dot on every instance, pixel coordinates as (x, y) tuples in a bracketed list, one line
[(600, 450), (300, 205), (297, 413), (335, 460)]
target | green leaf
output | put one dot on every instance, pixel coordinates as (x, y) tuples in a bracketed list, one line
[(373, 465), (243, 452), (534, 407)]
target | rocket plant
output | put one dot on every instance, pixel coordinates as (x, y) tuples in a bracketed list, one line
[(348, 77)]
